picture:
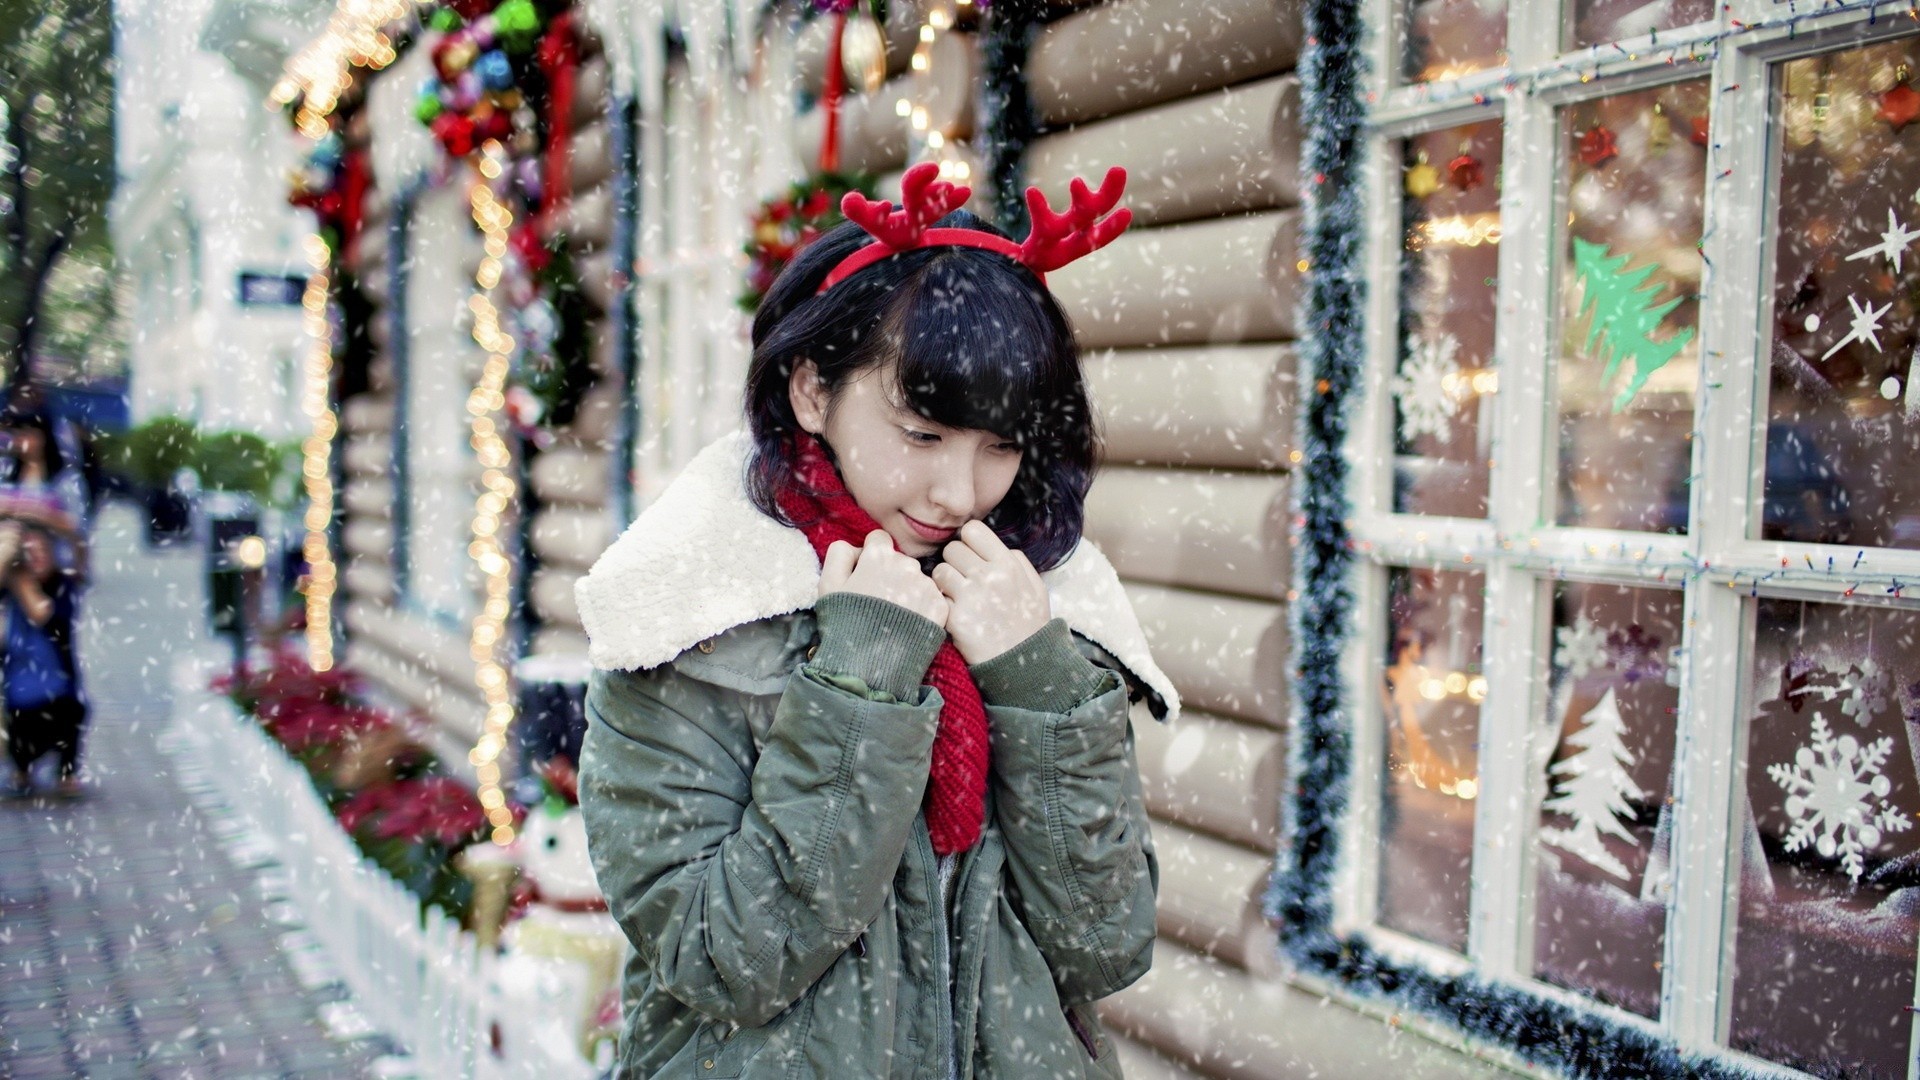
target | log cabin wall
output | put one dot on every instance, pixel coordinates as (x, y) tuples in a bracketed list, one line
[(572, 517), (1187, 323)]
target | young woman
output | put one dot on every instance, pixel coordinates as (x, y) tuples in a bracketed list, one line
[(858, 777)]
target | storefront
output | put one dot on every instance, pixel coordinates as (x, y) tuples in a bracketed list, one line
[(1523, 522)]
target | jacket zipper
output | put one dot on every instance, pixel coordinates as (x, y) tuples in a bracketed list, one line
[(945, 954)]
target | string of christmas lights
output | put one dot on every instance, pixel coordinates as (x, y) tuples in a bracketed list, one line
[(316, 454), (497, 489), (318, 74)]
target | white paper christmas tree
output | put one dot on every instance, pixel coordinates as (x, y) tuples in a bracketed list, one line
[(1594, 788)]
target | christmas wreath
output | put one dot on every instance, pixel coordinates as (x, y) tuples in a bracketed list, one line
[(784, 225)]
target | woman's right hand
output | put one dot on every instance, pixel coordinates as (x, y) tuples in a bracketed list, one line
[(876, 569)]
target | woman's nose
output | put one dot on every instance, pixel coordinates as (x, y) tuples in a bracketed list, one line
[(953, 488)]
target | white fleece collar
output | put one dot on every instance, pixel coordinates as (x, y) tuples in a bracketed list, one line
[(703, 559)]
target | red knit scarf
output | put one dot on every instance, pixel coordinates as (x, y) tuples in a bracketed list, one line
[(816, 500)]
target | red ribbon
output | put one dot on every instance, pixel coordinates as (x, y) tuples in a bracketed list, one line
[(836, 88), (559, 58), (355, 178)]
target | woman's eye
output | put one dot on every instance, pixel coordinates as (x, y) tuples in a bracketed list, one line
[(1007, 447), (924, 438)]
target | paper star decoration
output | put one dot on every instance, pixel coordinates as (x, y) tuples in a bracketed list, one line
[(1866, 325), (1893, 243)]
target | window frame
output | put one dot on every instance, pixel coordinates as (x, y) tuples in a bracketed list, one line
[(1720, 564)]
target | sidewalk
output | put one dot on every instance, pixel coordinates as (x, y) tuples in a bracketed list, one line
[(130, 945)]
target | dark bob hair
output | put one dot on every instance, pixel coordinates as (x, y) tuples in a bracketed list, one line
[(974, 340)]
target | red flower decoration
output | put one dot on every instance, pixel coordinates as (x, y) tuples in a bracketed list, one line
[(1899, 106), (436, 808), (1597, 147), (1466, 172)]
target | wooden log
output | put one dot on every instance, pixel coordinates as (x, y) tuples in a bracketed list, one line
[(571, 536), (367, 536), (1225, 654), (1232, 1025), (873, 131), (559, 641), (1226, 532), (1218, 281), (571, 474), (1249, 158), (1228, 406), (1210, 895), (592, 91), (551, 594), (590, 156), (368, 496), (370, 579), (367, 455), (367, 414), (1122, 56), (1214, 774)]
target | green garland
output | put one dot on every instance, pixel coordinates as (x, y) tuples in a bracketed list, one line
[(1332, 356)]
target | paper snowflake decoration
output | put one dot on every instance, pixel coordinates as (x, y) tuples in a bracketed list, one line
[(1832, 789), (1893, 243), (1422, 387), (1862, 686), (1580, 648), (1866, 326), (1676, 656)]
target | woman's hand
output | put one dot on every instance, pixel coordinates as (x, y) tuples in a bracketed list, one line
[(876, 569), (997, 597)]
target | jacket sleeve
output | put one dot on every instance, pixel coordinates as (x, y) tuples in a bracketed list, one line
[(740, 881), (1069, 804)]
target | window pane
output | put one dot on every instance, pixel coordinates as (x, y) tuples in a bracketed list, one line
[(1629, 274), (1605, 755), (1596, 22), (1829, 864), (1430, 694), (1445, 39), (1443, 388), (1843, 407)]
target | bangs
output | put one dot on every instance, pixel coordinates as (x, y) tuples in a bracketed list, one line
[(979, 350)]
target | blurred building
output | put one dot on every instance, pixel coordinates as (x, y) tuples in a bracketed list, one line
[(209, 249)]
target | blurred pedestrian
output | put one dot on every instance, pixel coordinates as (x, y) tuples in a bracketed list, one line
[(46, 709)]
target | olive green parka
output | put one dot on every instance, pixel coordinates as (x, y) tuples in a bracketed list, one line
[(752, 778)]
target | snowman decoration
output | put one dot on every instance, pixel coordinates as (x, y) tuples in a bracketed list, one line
[(560, 961)]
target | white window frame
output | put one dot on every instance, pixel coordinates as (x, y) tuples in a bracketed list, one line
[(1722, 569)]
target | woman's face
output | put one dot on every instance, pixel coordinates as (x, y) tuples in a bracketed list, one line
[(919, 480)]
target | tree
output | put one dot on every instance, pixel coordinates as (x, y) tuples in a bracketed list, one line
[(1594, 789), (56, 177)]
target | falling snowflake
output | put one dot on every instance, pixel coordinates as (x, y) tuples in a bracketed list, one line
[(1580, 648), (1893, 243), (1831, 787), (1422, 387), (1862, 687)]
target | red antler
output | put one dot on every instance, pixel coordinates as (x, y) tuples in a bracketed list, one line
[(1057, 239), (924, 199)]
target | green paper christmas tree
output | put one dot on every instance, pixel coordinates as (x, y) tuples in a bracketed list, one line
[(1622, 310)]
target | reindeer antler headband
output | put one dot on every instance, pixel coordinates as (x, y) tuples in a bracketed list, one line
[(1055, 239)]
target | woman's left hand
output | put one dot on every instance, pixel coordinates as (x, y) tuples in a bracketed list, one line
[(996, 599)]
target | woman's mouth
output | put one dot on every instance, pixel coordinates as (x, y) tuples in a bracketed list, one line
[(927, 532)]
